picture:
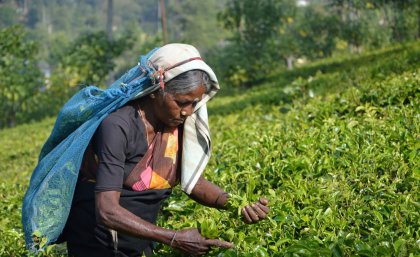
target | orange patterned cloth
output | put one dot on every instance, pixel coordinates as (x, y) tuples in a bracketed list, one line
[(158, 167)]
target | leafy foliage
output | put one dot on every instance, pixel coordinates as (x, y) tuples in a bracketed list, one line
[(269, 34), (336, 154), (195, 22), (89, 59), (397, 18), (20, 76), (25, 97), (249, 41), (309, 31), (254, 24), (20, 148)]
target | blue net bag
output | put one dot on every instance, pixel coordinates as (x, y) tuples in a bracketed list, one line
[(48, 199)]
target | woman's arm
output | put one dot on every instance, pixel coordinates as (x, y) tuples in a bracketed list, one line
[(209, 194), (112, 215)]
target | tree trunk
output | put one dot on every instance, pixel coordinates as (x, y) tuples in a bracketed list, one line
[(109, 25), (109, 22), (44, 15), (163, 21), (23, 16), (11, 116), (418, 21), (289, 61)]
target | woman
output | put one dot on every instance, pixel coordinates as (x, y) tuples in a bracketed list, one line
[(138, 153)]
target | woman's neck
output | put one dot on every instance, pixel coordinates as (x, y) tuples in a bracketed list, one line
[(148, 112)]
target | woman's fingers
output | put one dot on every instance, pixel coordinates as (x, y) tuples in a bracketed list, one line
[(191, 242), (255, 212), (263, 201), (246, 216), (258, 209), (200, 252), (202, 248), (249, 214), (264, 208), (219, 243)]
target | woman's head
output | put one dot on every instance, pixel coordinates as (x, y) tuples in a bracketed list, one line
[(179, 97), (188, 81), (184, 80)]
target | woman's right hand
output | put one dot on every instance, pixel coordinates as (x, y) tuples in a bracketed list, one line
[(193, 243)]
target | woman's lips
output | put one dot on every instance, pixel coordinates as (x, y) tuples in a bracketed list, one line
[(180, 121)]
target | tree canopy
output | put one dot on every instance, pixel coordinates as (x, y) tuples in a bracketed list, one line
[(61, 45)]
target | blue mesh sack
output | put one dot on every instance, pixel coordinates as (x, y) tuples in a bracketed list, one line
[(48, 199)]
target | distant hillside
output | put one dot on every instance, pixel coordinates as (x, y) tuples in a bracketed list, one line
[(332, 145)]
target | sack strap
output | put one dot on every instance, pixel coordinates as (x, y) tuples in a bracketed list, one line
[(162, 71)]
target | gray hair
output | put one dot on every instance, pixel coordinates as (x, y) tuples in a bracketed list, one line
[(187, 82)]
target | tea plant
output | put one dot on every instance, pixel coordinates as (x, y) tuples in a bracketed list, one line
[(339, 166)]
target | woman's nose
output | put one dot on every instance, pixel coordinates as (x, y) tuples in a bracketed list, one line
[(187, 110)]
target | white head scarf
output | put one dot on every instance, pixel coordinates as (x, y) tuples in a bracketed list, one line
[(172, 60)]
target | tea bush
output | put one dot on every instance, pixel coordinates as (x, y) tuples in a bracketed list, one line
[(336, 153), (334, 146)]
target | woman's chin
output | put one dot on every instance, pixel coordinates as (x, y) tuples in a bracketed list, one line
[(174, 123)]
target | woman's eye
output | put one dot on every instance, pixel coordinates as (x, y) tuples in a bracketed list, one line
[(180, 104), (185, 104)]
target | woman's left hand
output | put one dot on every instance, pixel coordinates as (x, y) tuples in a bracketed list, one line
[(255, 212)]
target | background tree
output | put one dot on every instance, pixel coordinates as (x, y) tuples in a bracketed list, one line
[(8, 15), (86, 62), (245, 41), (253, 23), (308, 31), (403, 17), (20, 78), (271, 33), (109, 19), (195, 22), (351, 26), (377, 22)]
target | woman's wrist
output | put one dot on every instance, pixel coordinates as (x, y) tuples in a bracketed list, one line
[(163, 235), (171, 244), (221, 201)]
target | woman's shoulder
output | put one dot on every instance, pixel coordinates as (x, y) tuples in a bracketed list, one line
[(126, 116)]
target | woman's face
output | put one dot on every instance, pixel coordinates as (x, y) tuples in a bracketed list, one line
[(173, 109)]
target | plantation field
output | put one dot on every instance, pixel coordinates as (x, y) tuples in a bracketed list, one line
[(333, 145)]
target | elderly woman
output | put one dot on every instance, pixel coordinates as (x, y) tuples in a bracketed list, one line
[(138, 154)]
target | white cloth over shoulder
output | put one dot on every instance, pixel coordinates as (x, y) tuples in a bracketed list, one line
[(172, 60)]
